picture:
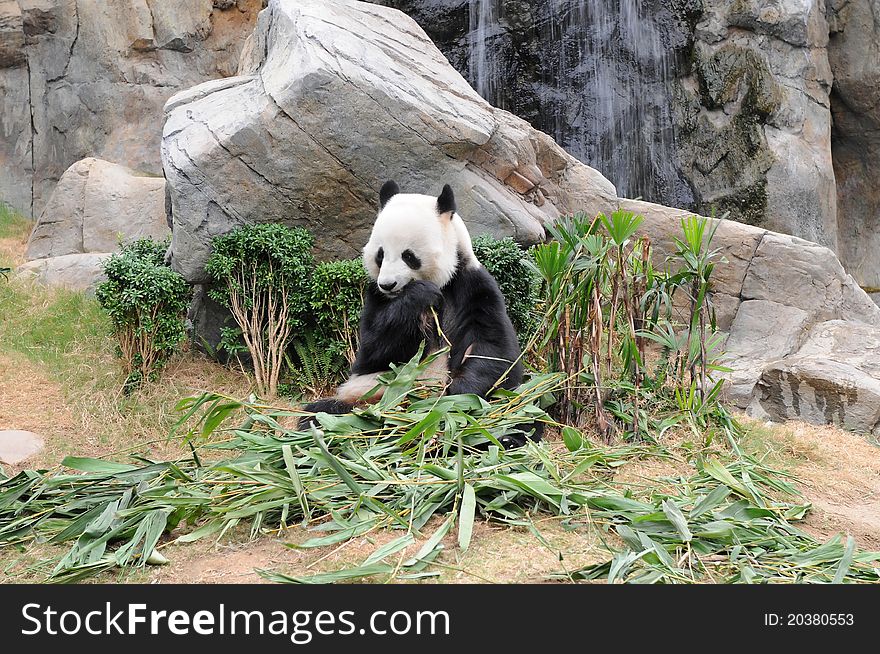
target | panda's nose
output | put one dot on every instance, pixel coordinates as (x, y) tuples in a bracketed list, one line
[(388, 287)]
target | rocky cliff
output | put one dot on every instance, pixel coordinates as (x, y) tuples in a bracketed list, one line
[(708, 105), (83, 78)]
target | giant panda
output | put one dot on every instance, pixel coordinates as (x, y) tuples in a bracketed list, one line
[(419, 257)]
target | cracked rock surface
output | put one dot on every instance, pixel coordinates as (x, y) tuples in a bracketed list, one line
[(80, 78), (333, 98)]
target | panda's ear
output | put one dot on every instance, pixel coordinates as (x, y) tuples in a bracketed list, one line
[(446, 201), (389, 190)]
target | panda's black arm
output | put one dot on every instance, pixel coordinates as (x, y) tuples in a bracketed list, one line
[(392, 329)]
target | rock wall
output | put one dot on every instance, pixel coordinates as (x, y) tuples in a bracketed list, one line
[(707, 105), (754, 116), (854, 53), (83, 78)]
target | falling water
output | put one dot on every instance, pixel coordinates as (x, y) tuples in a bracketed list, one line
[(483, 20), (606, 79)]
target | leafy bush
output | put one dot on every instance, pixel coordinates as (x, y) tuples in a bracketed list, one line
[(147, 303), (262, 274), (509, 265), (337, 299)]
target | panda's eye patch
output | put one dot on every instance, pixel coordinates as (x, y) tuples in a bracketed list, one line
[(380, 257), (411, 260)]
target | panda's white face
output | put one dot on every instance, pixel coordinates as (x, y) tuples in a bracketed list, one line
[(412, 240)]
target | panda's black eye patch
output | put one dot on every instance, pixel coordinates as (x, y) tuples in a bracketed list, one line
[(380, 257), (411, 260)]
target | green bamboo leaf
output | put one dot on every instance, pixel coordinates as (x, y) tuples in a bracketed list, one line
[(845, 561), (466, 517), (392, 547), (86, 464), (348, 574), (676, 517)]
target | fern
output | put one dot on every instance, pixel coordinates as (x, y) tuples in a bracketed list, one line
[(319, 366)]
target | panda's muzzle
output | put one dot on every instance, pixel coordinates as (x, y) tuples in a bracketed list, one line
[(388, 287)]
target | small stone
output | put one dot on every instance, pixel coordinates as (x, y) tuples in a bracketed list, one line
[(17, 446)]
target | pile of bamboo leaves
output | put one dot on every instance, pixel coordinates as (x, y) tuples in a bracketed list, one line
[(397, 464)]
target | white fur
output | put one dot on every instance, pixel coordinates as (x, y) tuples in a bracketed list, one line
[(410, 221), (354, 389), (357, 386)]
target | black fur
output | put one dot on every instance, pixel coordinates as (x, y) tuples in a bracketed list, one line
[(475, 318), (389, 190), (393, 328), (446, 201)]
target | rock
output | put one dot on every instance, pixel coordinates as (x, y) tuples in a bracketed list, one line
[(17, 446), (16, 165), (276, 143), (77, 272), (80, 78), (854, 54), (762, 332), (771, 290), (833, 379), (709, 106), (95, 205)]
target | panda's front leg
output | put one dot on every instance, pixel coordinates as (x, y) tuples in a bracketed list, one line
[(393, 327)]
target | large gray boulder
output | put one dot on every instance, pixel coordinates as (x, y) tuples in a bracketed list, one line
[(834, 378), (76, 272), (95, 206), (334, 98), (81, 78)]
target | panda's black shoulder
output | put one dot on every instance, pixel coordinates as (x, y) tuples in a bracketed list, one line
[(472, 281)]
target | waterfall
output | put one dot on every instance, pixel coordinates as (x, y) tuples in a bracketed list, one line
[(483, 22), (606, 73)]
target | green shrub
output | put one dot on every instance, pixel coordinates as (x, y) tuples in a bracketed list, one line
[(262, 274), (146, 302), (337, 300), (508, 264)]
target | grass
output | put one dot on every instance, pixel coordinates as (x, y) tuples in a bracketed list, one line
[(55, 347)]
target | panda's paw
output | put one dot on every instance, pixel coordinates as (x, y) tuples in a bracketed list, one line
[(512, 440), (329, 405), (424, 294)]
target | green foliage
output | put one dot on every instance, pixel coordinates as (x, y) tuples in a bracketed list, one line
[(336, 301), (260, 259), (146, 302), (318, 367), (262, 273), (604, 301), (509, 265), (425, 467)]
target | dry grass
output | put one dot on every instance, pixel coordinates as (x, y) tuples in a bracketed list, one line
[(839, 474)]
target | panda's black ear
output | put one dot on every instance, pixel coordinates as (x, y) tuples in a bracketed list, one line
[(389, 190), (446, 201)]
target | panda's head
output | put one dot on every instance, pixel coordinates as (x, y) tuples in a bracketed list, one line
[(416, 237)]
